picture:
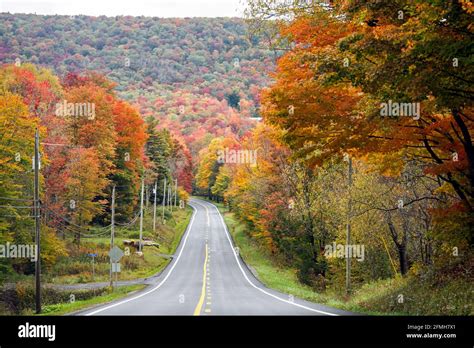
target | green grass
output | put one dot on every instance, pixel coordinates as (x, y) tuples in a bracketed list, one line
[(151, 263), (270, 273), (428, 296), (65, 308), (77, 268)]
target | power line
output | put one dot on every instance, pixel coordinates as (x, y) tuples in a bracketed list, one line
[(66, 228), (16, 206), (131, 222), (17, 216), (64, 145), (16, 199), (76, 228), (63, 218)]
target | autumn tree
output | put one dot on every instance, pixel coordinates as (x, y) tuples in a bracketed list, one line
[(85, 183), (16, 149), (333, 88), (129, 158)]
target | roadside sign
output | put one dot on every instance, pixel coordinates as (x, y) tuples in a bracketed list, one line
[(115, 254), (115, 267), (93, 264)]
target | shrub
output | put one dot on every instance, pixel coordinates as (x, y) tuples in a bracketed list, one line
[(21, 298)]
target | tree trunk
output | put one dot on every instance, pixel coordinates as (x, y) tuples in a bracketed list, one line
[(402, 256), (401, 246)]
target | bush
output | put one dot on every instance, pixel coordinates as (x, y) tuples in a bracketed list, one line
[(16, 300), (71, 267), (131, 263)]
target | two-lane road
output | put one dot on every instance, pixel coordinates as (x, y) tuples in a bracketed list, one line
[(206, 277)]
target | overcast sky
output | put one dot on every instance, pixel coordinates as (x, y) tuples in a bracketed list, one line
[(158, 8)]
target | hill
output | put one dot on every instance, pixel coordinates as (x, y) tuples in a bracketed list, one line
[(195, 75)]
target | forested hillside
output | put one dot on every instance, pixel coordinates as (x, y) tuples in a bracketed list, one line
[(155, 92), (342, 154), (202, 75)]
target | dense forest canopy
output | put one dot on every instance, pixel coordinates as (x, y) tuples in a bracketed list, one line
[(207, 61)]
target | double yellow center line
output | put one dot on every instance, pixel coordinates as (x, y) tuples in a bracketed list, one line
[(197, 310)]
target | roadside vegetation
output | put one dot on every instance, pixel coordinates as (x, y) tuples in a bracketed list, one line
[(105, 297), (364, 155), (76, 269), (91, 154), (438, 293)]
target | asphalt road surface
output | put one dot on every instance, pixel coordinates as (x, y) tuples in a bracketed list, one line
[(207, 277)]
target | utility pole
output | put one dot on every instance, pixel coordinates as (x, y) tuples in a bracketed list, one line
[(37, 226), (348, 230), (112, 234), (147, 197), (164, 200), (93, 268), (80, 224), (155, 191), (141, 215), (175, 191), (169, 197)]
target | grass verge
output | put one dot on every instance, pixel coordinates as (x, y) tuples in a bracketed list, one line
[(451, 296), (77, 267), (18, 297), (65, 308)]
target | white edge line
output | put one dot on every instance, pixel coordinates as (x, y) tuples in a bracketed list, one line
[(256, 287), (161, 283)]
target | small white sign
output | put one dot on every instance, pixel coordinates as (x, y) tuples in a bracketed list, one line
[(115, 267)]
